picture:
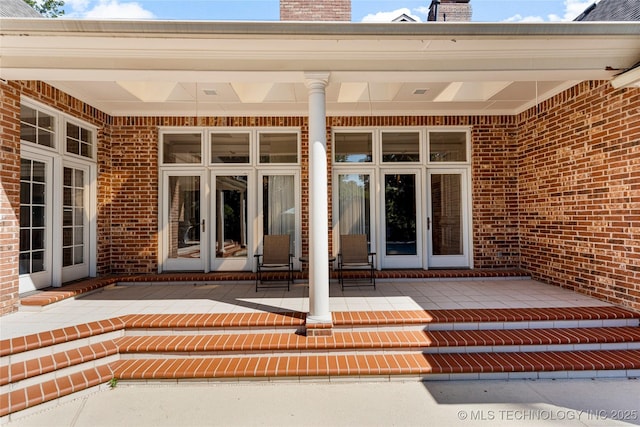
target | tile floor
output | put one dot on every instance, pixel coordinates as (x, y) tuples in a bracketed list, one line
[(162, 298)]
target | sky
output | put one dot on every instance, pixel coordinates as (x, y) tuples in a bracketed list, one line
[(361, 10)]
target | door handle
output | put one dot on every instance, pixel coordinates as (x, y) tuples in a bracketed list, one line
[(428, 223), (203, 230)]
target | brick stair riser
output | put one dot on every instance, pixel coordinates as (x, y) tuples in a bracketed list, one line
[(471, 326), (387, 350), (134, 332), (59, 373), (59, 348)]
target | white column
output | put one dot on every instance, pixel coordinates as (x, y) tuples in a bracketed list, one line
[(318, 201)]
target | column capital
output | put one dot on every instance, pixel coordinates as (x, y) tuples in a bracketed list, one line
[(316, 79)]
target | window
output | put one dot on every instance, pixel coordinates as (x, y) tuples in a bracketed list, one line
[(353, 147), (400, 147), (230, 147), (79, 140), (182, 148), (448, 146), (278, 147), (37, 127)]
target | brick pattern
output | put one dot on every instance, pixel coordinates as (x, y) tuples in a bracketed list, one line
[(9, 196), (450, 11), (579, 189), (313, 10)]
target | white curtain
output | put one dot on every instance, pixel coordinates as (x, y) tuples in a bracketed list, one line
[(353, 204), (279, 205)]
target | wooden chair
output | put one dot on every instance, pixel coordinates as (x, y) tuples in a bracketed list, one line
[(276, 254), (354, 255)]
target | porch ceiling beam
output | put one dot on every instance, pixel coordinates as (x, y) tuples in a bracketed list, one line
[(78, 74)]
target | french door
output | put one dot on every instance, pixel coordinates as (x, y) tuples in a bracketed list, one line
[(232, 224), (184, 221), (448, 218), (76, 211), (36, 222), (401, 219)]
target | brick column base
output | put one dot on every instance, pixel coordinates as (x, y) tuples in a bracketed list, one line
[(318, 329)]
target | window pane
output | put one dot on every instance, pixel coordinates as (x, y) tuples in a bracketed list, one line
[(184, 217), (353, 204), (28, 133), (400, 214), (353, 147), (230, 148), (181, 148), (37, 238), (448, 146), (25, 263), (45, 138), (67, 257), (38, 216), (278, 204), (400, 147), (28, 115), (231, 215), (37, 196), (37, 261), (446, 205), (278, 148), (67, 236)]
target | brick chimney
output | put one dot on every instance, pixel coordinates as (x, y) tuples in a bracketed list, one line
[(450, 10), (315, 10)]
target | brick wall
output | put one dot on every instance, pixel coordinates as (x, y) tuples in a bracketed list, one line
[(579, 189), (313, 10), (9, 196), (450, 11)]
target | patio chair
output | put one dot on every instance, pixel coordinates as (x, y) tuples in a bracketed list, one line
[(276, 255), (354, 255)]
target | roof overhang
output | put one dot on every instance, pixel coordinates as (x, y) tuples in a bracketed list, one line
[(144, 68)]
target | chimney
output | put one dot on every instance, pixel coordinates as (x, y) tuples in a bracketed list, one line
[(315, 10), (450, 10)]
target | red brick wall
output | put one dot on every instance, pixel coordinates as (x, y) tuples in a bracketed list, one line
[(579, 189), (9, 196), (313, 10)]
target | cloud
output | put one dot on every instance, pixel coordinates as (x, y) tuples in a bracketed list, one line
[(107, 9), (572, 8), (389, 16)]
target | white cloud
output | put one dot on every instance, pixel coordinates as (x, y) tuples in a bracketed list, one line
[(572, 8), (108, 9), (389, 16)]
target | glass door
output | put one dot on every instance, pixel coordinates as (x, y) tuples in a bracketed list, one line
[(231, 229), (401, 234), (36, 231), (447, 219), (279, 207), (184, 221), (75, 222), (353, 207)]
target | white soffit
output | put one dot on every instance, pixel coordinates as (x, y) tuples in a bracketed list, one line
[(353, 92), (148, 91), (470, 91), (252, 92)]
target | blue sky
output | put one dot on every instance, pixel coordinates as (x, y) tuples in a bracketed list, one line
[(361, 10)]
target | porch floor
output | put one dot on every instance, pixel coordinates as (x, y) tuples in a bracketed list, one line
[(161, 297)]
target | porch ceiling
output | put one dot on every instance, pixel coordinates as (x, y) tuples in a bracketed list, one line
[(258, 68)]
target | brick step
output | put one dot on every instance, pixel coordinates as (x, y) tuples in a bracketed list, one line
[(12, 376), (440, 341), (41, 392), (419, 365), (492, 318)]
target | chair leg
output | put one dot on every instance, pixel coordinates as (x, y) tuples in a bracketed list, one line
[(258, 278)]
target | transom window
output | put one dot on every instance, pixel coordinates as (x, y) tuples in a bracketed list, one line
[(37, 126), (79, 140)]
